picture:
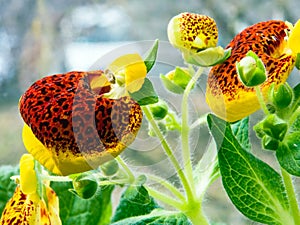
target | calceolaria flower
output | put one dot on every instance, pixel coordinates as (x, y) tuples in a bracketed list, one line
[(196, 36), (275, 44), (78, 120), (192, 31), (27, 206)]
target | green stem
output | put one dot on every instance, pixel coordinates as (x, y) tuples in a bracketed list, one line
[(196, 216), (165, 199), (294, 116), (168, 186), (185, 129), (291, 195), (261, 100), (131, 176), (169, 152)]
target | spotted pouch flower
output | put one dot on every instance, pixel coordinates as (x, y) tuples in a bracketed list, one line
[(226, 95), (71, 126)]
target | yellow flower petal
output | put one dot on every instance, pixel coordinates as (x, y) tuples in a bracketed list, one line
[(28, 180), (133, 68), (294, 39), (23, 209)]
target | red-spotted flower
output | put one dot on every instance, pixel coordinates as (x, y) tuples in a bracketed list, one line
[(276, 43), (78, 120)]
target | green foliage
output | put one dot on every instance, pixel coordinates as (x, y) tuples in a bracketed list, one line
[(253, 186), (135, 201), (7, 186), (156, 217), (75, 210), (240, 129), (151, 56), (146, 95)]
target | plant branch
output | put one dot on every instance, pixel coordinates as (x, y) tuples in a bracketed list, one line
[(165, 199), (261, 100), (291, 195), (168, 186), (185, 130), (168, 152)]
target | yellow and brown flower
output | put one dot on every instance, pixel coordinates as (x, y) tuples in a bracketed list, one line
[(72, 126), (275, 42)]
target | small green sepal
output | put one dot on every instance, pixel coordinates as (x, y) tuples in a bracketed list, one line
[(207, 57), (151, 55)]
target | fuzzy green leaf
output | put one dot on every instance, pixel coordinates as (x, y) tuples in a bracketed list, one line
[(240, 130), (146, 95), (7, 186), (156, 217), (151, 56), (75, 210), (135, 201), (254, 187)]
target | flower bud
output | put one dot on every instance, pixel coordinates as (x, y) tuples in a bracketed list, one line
[(251, 70), (192, 31), (85, 186), (159, 110), (110, 168), (282, 96), (270, 143), (274, 127), (177, 80)]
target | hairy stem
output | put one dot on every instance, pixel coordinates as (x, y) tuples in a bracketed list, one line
[(185, 130), (169, 153), (261, 100), (168, 186), (291, 195)]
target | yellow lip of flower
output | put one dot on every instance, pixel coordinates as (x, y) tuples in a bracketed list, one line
[(190, 31), (30, 209), (26, 206), (28, 179), (132, 69), (226, 95)]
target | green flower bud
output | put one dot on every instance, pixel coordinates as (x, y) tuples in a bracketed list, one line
[(85, 186), (270, 143), (274, 127), (159, 110), (282, 96), (110, 168), (177, 80), (251, 70)]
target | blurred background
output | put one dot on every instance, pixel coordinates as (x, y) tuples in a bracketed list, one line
[(40, 37)]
